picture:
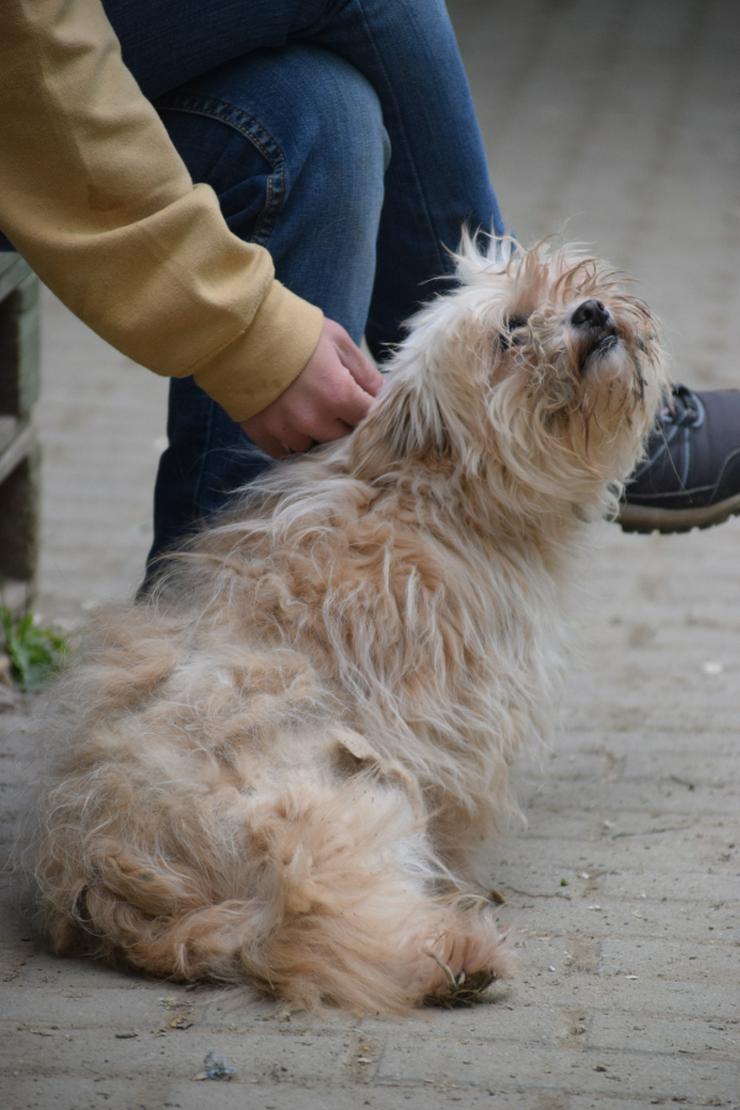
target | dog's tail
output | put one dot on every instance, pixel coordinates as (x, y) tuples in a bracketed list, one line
[(339, 903)]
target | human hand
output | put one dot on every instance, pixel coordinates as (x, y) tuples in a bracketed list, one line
[(332, 393)]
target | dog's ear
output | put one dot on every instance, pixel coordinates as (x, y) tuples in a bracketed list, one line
[(406, 423)]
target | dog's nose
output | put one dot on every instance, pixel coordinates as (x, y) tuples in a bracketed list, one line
[(590, 314)]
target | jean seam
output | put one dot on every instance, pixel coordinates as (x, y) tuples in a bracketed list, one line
[(250, 128), (402, 130)]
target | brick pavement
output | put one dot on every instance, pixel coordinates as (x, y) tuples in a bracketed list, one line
[(624, 890)]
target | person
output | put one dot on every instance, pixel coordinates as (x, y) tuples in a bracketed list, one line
[(234, 194)]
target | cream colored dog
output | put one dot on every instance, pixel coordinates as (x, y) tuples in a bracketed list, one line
[(279, 769)]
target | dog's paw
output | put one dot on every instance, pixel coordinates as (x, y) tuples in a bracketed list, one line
[(468, 961)]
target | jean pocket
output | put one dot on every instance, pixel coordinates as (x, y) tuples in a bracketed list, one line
[(227, 148)]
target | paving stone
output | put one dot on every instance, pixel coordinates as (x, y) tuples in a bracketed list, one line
[(617, 123)]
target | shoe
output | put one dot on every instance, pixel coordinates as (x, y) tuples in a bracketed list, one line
[(691, 476)]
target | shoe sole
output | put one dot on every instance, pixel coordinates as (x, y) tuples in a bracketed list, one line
[(642, 518)]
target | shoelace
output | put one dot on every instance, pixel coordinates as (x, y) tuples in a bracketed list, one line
[(680, 409)]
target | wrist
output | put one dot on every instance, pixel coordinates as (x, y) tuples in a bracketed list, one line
[(261, 363)]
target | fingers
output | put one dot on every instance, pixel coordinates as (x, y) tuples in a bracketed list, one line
[(296, 444), (333, 429), (330, 396), (353, 403), (264, 440), (360, 367), (362, 370), (286, 441)]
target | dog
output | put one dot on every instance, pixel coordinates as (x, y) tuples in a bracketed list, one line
[(279, 767)]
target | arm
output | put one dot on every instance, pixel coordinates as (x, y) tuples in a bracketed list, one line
[(94, 195)]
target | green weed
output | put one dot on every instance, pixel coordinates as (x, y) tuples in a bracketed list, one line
[(35, 653)]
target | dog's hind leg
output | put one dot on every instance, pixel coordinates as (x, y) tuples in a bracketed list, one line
[(319, 888), (361, 919)]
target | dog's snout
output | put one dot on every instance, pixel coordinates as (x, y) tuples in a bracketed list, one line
[(591, 314)]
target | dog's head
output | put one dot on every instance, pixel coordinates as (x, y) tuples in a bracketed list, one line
[(538, 376)]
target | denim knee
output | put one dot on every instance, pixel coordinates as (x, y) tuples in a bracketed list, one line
[(340, 147), (293, 143), (325, 241)]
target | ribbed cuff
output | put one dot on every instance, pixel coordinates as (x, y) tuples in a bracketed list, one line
[(256, 367)]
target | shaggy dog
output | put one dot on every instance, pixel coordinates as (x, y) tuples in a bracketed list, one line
[(279, 768)]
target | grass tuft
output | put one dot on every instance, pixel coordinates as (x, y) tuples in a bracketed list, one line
[(35, 653)]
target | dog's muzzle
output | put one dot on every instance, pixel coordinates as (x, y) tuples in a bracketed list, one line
[(595, 322)]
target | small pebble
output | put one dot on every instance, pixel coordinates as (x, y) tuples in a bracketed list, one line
[(216, 1067)]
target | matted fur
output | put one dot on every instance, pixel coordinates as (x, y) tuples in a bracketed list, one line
[(280, 766)]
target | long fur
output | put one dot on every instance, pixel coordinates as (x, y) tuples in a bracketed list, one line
[(280, 766)]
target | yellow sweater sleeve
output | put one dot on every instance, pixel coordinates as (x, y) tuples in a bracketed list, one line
[(95, 196)]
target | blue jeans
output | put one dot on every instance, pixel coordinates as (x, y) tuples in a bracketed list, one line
[(341, 135)]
